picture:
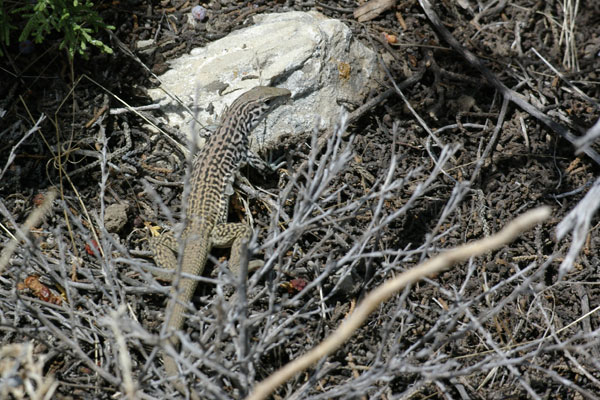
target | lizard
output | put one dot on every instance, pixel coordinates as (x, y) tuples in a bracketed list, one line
[(212, 174)]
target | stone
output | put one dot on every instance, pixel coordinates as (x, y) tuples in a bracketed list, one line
[(115, 217), (315, 57)]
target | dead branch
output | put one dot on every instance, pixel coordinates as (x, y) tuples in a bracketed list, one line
[(391, 287), (505, 91)]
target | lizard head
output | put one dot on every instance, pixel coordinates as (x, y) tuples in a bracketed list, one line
[(254, 105)]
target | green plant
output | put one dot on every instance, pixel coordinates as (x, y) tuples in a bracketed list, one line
[(75, 20)]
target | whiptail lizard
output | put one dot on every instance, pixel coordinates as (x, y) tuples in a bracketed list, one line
[(212, 172)]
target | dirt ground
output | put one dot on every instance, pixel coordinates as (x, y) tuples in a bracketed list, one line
[(409, 185)]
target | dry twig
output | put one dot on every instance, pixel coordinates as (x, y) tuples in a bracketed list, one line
[(391, 287), (505, 91)]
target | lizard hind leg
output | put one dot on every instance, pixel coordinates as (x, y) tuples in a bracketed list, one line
[(233, 235)]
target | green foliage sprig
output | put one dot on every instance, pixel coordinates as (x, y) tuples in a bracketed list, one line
[(76, 20)]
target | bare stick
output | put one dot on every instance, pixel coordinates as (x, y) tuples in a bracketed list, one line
[(392, 286), (505, 91)]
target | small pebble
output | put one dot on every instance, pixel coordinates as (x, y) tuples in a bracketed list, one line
[(199, 13), (26, 47)]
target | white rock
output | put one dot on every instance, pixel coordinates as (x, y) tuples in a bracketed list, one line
[(142, 44), (317, 58)]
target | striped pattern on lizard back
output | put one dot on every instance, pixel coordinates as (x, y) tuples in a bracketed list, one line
[(212, 172)]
